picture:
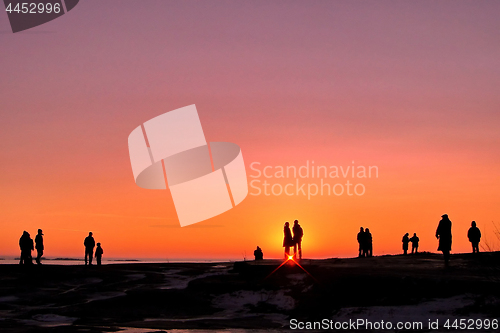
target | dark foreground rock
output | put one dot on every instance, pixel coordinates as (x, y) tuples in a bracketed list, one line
[(246, 295)]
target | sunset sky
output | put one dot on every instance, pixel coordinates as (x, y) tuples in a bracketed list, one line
[(411, 87)]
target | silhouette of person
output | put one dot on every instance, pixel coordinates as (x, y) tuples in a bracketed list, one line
[(406, 240), (287, 239), (98, 254), (414, 243), (361, 241), (298, 233), (89, 244), (443, 233), (26, 246), (259, 255), (474, 236), (39, 246), (368, 246)]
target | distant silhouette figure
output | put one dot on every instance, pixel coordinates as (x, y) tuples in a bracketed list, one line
[(406, 240), (89, 244), (443, 233), (98, 254), (287, 239), (259, 255), (368, 246), (298, 233), (39, 246), (361, 241), (26, 245), (474, 236), (414, 243)]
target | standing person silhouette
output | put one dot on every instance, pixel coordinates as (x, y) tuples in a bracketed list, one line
[(474, 235), (287, 239), (298, 233), (89, 244), (26, 246), (368, 243), (98, 254), (414, 243), (39, 246), (361, 241), (405, 241), (443, 233)]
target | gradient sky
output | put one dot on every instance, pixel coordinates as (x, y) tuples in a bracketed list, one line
[(411, 87)]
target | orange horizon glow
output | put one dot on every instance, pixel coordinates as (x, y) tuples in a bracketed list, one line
[(408, 87)]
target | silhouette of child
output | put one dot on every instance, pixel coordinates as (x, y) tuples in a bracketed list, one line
[(98, 253), (474, 236)]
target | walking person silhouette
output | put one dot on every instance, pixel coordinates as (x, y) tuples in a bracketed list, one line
[(39, 246), (443, 233), (89, 244), (287, 239), (298, 233), (474, 235)]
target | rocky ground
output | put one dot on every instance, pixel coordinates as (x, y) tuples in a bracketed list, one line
[(245, 296)]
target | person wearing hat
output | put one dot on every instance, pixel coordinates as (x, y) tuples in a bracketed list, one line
[(474, 236), (39, 246), (443, 233)]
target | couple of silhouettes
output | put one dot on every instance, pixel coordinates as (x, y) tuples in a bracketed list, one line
[(365, 241), (294, 241), (26, 245), (89, 244), (414, 243)]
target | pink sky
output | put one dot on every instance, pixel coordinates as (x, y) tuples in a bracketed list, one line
[(411, 87)]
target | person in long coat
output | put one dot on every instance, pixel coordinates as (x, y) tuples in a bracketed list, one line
[(406, 240), (443, 233), (26, 246), (287, 239)]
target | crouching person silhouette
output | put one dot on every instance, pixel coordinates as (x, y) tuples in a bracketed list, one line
[(259, 255)]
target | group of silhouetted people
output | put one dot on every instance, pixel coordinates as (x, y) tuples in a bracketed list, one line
[(443, 234), (294, 240), (26, 245), (414, 243), (89, 244), (365, 241)]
